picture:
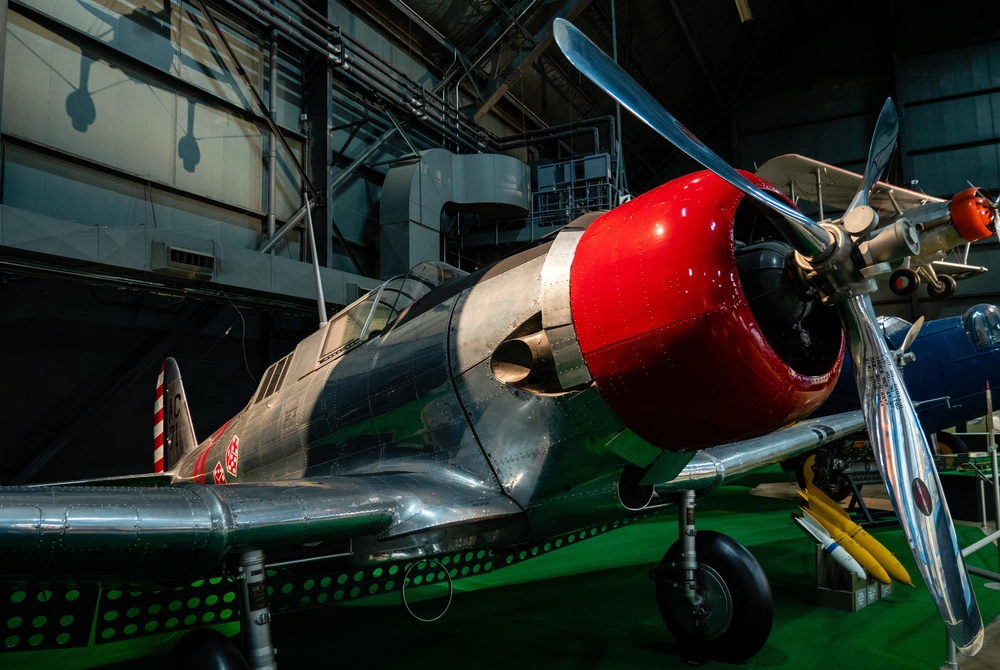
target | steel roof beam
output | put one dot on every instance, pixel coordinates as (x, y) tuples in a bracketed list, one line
[(525, 58), (692, 43)]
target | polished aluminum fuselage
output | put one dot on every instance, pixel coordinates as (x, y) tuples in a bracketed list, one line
[(421, 397)]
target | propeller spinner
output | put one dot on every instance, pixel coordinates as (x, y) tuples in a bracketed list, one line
[(842, 270)]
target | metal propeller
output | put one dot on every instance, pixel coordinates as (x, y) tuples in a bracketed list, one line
[(907, 466), (883, 142), (805, 235), (901, 449)]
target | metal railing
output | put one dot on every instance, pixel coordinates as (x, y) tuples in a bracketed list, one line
[(991, 447)]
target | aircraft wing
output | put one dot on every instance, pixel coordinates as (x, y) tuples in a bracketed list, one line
[(152, 533), (957, 270), (839, 186), (713, 467)]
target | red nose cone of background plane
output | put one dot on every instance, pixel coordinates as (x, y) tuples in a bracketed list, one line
[(664, 326), (972, 215)]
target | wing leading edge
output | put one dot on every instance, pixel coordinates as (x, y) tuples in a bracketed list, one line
[(713, 467), (186, 530)]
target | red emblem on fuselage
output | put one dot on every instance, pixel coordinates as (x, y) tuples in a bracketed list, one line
[(233, 455), (218, 474)]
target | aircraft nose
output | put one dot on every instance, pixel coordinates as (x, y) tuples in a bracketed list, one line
[(972, 215)]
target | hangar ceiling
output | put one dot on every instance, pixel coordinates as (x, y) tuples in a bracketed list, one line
[(800, 63), (697, 58)]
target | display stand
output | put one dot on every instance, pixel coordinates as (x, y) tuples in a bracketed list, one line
[(872, 519), (839, 589)]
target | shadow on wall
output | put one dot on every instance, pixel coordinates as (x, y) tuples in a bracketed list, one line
[(187, 147), (155, 28), (160, 54), (79, 103)]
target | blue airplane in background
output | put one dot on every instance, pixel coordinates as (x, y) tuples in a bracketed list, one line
[(946, 370), (953, 359)]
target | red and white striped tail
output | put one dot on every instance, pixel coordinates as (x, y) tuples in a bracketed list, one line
[(158, 425)]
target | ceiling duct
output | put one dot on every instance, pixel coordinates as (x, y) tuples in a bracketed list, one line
[(416, 191)]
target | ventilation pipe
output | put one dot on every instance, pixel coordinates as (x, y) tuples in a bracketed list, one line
[(415, 193)]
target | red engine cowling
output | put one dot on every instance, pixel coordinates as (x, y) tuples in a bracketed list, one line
[(666, 330)]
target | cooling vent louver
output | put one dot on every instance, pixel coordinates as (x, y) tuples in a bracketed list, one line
[(182, 262), (273, 379)]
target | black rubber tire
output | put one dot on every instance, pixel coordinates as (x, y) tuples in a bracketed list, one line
[(904, 281), (749, 592), (206, 649), (949, 443), (948, 290)]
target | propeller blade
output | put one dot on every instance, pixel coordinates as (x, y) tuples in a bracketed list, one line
[(907, 466), (883, 142), (804, 234), (911, 334)]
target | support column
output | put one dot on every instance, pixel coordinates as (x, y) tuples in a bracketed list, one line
[(3, 53), (272, 140)]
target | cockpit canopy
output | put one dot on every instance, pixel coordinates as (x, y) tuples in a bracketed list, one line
[(377, 309), (982, 326)]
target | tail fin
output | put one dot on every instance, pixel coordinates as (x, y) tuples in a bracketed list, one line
[(173, 432)]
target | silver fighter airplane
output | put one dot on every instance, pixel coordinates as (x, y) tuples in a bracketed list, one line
[(451, 423)]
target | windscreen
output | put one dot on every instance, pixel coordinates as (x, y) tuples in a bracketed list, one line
[(376, 310)]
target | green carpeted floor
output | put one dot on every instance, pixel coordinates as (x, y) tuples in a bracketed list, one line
[(591, 605)]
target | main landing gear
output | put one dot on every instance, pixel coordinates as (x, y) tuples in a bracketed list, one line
[(207, 649), (712, 594), (906, 281)]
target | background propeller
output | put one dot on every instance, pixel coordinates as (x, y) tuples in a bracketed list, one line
[(911, 335), (901, 449)]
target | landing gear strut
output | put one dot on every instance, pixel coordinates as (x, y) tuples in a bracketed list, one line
[(207, 649), (712, 594), (256, 616)]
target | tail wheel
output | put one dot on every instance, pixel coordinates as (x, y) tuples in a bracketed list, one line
[(949, 443), (948, 284), (904, 281), (737, 609)]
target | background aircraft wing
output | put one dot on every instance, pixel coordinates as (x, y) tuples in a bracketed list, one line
[(839, 185), (957, 270), (152, 533)]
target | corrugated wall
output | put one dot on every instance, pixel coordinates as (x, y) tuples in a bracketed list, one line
[(942, 68), (147, 96)]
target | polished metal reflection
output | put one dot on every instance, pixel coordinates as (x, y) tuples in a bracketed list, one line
[(805, 235), (713, 467), (557, 317), (907, 466), (176, 531), (879, 152)]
